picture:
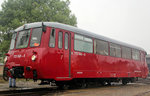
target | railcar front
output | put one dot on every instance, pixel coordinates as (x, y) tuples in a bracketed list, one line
[(25, 55), (34, 53)]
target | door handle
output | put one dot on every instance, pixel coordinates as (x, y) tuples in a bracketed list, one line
[(61, 53)]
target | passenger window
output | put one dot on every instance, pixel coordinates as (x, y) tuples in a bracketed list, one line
[(135, 54), (83, 44), (115, 50), (60, 39), (101, 47), (126, 52), (142, 57), (52, 38), (66, 40), (79, 37)]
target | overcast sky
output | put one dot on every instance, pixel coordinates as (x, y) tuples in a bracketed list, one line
[(123, 20)]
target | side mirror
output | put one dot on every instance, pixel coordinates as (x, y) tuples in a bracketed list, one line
[(43, 27), (7, 54)]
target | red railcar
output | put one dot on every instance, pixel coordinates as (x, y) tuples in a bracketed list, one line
[(57, 52)]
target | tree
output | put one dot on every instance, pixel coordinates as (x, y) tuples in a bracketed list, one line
[(15, 13)]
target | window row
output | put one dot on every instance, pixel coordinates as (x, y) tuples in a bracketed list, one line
[(60, 39), (102, 47), (85, 44), (23, 38), (81, 43)]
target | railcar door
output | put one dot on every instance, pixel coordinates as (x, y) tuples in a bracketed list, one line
[(143, 63), (64, 42)]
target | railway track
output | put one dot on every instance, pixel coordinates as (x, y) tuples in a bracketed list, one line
[(55, 91), (31, 92), (50, 91)]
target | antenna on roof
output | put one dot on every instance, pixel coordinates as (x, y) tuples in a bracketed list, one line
[(24, 26), (43, 27)]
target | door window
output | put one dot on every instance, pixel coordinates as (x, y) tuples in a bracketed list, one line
[(60, 34), (52, 38), (66, 40)]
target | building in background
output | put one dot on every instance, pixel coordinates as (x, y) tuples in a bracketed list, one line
[(1, 69)]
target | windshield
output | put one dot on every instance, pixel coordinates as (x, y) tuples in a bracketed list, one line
[(23, 39), (12, 44), (36, 37)]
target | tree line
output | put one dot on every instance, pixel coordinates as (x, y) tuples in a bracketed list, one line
[(15, 13)]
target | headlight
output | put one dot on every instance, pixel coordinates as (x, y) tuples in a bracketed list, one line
[(33, 58), (5, 59)]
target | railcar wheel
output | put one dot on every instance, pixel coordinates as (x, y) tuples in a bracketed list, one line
[(62, 85), (5, 76), (83, 85), (103, 83), (124, 82), (109, 83)]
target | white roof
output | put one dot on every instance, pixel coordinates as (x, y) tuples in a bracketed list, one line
[(76, 30)]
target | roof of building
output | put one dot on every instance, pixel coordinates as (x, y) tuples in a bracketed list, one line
[(76, 30)]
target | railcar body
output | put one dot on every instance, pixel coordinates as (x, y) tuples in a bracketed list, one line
[(58, 52)]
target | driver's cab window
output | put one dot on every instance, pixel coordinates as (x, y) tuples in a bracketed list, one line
[(36, 37)]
